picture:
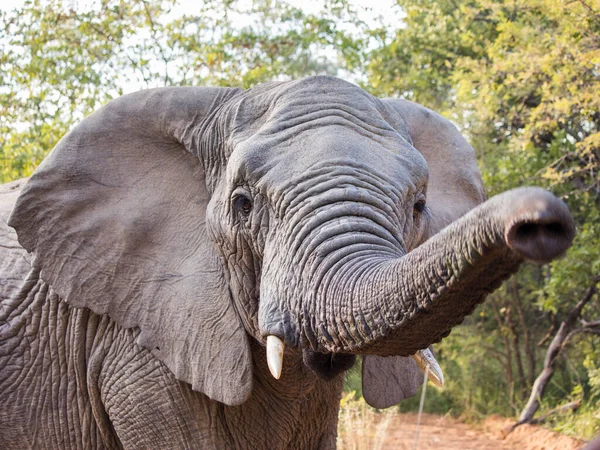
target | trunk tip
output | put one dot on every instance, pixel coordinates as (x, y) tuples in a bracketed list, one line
[(540, 227)]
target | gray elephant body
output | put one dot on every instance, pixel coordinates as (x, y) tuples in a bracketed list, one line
[(71, 378), (175, 229)]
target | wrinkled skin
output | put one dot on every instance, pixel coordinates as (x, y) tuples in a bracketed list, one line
[(175, 229)]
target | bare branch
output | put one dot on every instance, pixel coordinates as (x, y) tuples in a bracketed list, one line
[(579, 331), (588, 324), (572, 406), (565, 331)]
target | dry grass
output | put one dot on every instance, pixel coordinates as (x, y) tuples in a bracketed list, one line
[(361, 427)]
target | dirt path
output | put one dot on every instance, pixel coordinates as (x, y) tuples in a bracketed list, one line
[(440, 432)]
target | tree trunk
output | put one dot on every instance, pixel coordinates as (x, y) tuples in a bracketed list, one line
[(514, 331), (508, 367), (529, 346), (562, 335)]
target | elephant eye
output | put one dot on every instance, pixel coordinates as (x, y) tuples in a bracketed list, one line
[(418, 208), (242, 204)]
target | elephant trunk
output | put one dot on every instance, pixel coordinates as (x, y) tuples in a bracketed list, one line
[(351, 288), (402, 305)]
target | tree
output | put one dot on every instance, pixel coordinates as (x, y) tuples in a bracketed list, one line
[(521, 79), (536, 94), (59, 63)]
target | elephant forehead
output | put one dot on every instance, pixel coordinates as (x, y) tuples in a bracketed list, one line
[(350, 108), (337, 149), (283, 110), (287, 129)]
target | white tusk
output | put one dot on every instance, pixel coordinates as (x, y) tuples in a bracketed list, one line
[(275, 348), (424, 359)]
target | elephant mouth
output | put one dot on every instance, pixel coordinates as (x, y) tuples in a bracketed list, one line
[(327, 365)]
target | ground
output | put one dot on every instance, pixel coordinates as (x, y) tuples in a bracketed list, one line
[(438, 432), (451, 434)]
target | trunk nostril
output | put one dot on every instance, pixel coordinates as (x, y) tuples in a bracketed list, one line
[(546, 232), (533, 230)]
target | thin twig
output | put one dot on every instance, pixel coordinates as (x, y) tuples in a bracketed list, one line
[(421, 407)]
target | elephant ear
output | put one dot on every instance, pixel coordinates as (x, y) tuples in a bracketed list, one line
[(455, 185), (115, 217), (389, 380), (454, 188)]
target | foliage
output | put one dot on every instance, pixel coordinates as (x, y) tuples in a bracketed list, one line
[(417, 61), (585, 422), (521, 79), (58, 63)]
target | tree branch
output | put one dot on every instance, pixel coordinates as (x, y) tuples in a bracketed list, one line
[(572, 406), (565, 331)]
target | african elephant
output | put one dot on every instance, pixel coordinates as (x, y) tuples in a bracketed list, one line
[(175, 232)]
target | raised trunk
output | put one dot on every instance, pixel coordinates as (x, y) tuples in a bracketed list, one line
[(399, 306)]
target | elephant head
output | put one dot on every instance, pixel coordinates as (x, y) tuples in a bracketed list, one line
[(310, 211)]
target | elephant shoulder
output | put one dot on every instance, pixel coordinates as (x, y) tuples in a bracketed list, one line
[(15, 262), (9, 193)]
